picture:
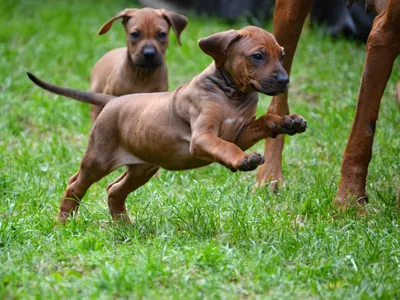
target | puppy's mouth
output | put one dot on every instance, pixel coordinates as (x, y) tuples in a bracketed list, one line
[(269, 89), (272, 93), (147, 63)]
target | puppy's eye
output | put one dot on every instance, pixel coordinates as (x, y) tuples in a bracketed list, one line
[(257, 56), (135, 35), (282, 57), (161, 35)]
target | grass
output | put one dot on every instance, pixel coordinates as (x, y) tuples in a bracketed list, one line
[(200, 233)]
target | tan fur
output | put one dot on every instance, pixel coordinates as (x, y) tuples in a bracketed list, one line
[(210, 119), (125, 70)]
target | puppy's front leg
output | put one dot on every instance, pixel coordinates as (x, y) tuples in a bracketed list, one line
[(207, 146), (270, 125)]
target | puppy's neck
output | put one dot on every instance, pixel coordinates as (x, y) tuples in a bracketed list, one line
[(221, 78)]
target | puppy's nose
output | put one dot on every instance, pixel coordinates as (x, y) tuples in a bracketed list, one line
[(149, 51), (282, 79)]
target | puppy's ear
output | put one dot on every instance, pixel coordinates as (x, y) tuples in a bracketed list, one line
[(126, 14), (216, 45), (177, 21)]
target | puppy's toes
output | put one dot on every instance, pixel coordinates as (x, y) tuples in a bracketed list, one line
[(287, 122), (256, 159), (287, 125), (299, 124), (251, 162)]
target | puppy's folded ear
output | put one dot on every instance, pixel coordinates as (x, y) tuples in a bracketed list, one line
[(177, 21), (126, 14), (216, 45)]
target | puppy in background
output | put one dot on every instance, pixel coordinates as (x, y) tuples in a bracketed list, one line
[(139, 67)]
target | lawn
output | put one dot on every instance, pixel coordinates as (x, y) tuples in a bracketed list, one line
[(202, 233)]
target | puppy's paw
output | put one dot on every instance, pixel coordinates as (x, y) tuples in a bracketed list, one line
[(293, 124), (250, 162)]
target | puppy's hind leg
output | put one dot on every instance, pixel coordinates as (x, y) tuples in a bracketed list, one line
[(134, 177), (90, 172), (99, 160)]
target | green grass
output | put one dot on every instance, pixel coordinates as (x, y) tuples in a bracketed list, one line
[(201, 233)]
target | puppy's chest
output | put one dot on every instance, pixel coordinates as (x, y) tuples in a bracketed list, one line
[(232, 125)]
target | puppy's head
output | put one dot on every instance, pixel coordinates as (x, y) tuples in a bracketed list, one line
[(147, 33), (252, 58)]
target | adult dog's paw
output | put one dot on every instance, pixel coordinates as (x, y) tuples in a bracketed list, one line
[(250, 162), (293, 124)]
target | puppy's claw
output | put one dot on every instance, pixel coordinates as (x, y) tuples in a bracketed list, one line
[(274, 131)]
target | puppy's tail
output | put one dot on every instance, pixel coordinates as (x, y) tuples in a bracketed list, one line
[(87, 97)]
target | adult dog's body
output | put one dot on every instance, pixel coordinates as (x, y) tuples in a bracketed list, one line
[(382, 49), (139, 67), (210, 119)]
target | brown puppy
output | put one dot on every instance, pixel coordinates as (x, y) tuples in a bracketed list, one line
[(210, 119), (139, 67), (382, 49)]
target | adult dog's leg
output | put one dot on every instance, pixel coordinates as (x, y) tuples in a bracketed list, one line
[(134, 177), (382, 49), (289, 18)]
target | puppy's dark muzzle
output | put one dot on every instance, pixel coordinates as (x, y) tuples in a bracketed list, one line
[(275, 86), (148, 58)]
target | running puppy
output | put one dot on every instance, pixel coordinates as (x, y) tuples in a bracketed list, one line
[(210, 119)]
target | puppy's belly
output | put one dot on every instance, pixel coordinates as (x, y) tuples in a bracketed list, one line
[(175, 156), (185, 164)]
